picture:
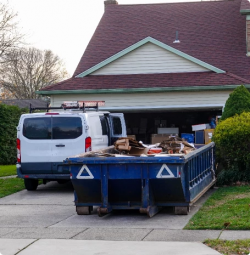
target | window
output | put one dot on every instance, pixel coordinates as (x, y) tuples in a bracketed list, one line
[(61, 127), (37, 128), (117, 126), (104, 125), (66, 128)]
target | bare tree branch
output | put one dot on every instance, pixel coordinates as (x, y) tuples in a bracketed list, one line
[(10, 37), (28, 70)]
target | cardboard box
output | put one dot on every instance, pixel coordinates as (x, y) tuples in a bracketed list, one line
[(208, 135), (132, 136), (158, 138), (138, 151), (200, 127)]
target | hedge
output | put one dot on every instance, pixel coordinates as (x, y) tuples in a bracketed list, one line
[(232, 140), (9, 117)]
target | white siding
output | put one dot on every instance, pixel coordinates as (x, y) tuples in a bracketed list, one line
[(150, 58), (143, 101)]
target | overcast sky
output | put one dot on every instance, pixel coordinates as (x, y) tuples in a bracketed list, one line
[(63, 26)]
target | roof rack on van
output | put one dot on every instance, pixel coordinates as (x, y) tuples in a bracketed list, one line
[(66, 107)]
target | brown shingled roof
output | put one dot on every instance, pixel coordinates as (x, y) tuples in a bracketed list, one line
[(147, 81), (212, 31)]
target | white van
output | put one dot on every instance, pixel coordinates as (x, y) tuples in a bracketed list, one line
[(44, 140)]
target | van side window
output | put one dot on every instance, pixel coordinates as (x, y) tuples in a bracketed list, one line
[(104, 125), (37, 128), (66, 128), (117, 126)]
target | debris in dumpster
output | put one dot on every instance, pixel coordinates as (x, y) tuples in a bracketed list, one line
[(107, 152), (127, 145), (155, 150), (123, 144), (176, 145)]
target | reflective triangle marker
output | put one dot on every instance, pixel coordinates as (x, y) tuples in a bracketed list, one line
[(84, 170), (165, 172)]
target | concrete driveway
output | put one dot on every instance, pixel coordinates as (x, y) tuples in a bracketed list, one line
[(49, 213)]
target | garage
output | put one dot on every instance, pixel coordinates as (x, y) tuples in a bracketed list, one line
[(144, 126)]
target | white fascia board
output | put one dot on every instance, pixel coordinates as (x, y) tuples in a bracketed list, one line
[(139, 44)]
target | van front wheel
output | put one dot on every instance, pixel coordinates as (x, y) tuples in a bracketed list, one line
[(31, 184)]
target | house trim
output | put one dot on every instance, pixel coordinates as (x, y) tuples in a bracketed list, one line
[(244, 12), (162, 107), (140, 90), (139, 44)]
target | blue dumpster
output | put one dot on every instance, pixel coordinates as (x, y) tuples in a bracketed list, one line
[(144, 183)]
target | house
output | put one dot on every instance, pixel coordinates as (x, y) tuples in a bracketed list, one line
[(167, 65)]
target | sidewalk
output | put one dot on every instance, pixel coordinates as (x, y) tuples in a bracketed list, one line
[(79, 247), (111, 241), (120, 234), (8, 177)]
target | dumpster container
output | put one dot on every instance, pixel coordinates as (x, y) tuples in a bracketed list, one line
[(144, 183)]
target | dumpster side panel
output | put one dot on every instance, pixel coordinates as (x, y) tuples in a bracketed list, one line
[(169, 190), (124, 191), (200, 172), (88, 191)]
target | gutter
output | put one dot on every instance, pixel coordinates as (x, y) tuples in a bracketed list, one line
[(141, 90)]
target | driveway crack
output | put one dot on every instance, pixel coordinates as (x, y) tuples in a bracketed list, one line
[(60, 221), (26, 246), (79, 233), (147, 234)]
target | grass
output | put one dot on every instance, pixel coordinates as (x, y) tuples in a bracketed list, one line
[(227, 208), (7, 170), (230, 247), (10, 186)]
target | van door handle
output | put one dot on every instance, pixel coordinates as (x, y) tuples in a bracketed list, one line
[(60, 145)]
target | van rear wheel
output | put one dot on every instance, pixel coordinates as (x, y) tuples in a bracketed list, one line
[(31, 184)]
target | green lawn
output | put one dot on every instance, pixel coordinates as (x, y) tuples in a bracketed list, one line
[(7, 170), (10, 186), (227, 208), (230, 247)]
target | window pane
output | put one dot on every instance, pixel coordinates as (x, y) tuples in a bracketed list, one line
[(66, 127), (117, 126), (104, 125), (37, 128)]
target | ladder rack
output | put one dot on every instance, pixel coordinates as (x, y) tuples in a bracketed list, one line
[(65, 107)]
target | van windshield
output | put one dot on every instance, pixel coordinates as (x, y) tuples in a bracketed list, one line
[(43, 128)]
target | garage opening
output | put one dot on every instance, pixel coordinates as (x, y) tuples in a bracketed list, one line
[(144, 125)]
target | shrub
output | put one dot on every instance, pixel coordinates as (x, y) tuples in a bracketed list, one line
[(9, 116), (232, 139), (229, 176), (238, 102)]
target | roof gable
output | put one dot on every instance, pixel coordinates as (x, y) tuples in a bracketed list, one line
[(211, 31), (195, 63)]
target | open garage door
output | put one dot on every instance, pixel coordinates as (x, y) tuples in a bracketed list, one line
[(143, 125)]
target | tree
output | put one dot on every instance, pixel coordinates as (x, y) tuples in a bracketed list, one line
[(10, 37), (28, 70), (237, 103)]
